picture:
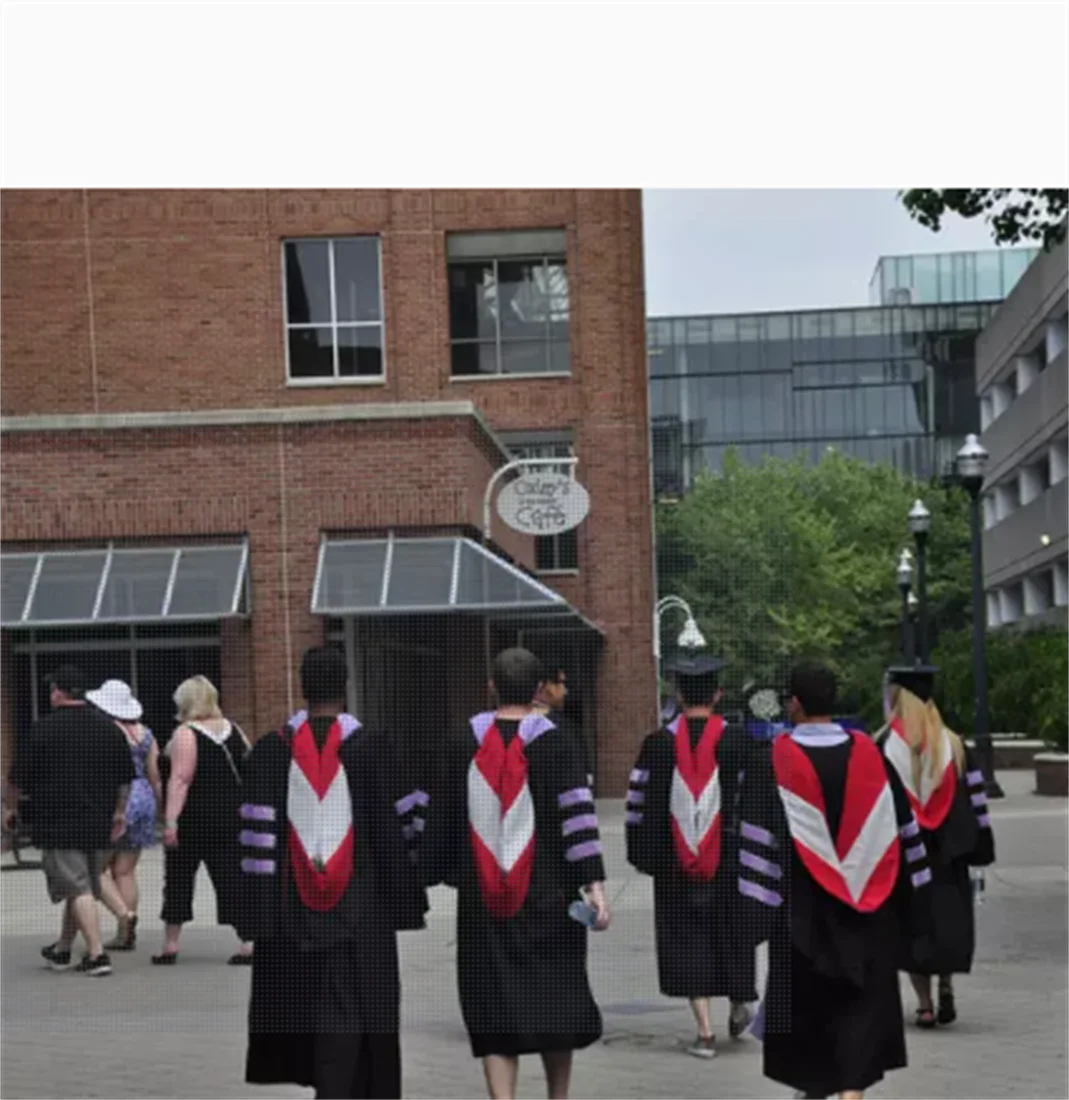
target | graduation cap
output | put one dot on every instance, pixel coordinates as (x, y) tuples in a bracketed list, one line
[(694, 664), (915, 678)]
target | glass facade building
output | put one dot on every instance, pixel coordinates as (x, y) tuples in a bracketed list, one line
[(886, 384), (947, 277)]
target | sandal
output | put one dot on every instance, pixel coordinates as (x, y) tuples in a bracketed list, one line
[(167, 958), (947, 1012), (925, 1019), (126, 939)]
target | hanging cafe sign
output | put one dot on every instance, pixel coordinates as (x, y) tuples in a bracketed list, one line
[(543, 503)]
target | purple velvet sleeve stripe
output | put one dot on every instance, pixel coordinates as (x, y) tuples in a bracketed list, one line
[(984, 820), (249, 812), (632, 817), (575, 796), (411, 801), (586, 850), (921, 878), (759, 893), (640, 775), (578, 823), (253, 839), (757, 834), (974, 779), (909, 831), (979, 799), (258, 866), (756, 863), (636, 798), (915, 853)]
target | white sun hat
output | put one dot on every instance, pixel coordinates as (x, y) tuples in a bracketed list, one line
[(115, 698)]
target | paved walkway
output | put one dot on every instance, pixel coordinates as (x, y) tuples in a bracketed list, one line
[(180, 1032)]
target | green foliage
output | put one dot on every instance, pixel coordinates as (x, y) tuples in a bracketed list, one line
[(789, 559), (1015, 214), (1026, 675)]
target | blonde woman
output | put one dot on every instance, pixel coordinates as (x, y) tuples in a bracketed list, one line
[(951, 824), (205, 757), (118, 888)]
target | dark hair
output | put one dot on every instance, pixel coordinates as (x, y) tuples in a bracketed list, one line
[(324, 676), (698, 690), (553, 664), (516, 674), (69, 679), (815, 687)]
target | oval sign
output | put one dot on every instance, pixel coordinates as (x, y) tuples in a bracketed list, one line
[(543, 503)]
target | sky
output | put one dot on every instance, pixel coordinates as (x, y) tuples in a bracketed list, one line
[(753, 250)]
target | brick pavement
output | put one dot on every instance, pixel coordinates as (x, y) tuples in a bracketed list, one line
[(179, 1033)]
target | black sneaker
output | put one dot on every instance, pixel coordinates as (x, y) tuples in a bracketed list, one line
[(56, 959), (95, 968)]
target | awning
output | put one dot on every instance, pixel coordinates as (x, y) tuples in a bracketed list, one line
[(78, 587), (398, 576)]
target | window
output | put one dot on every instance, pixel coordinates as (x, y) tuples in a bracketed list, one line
[(553, 553), (334, 310), (509, 307)]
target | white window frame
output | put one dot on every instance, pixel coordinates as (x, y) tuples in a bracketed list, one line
[(287, 326), (545, 259)]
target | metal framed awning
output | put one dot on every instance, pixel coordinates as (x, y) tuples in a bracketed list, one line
[(425, 576), (149, 584)]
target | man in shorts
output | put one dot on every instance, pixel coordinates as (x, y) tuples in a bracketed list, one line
[(76, 772)]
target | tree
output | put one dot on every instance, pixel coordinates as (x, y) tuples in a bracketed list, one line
[(1015, 214), (789, 559)]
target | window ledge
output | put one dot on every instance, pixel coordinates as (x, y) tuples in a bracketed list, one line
[(305, 383), (456, 378), (557, 572)]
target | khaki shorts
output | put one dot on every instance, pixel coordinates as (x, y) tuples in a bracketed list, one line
[(70, 873)]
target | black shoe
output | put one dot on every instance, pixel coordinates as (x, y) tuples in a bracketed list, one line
[(95, 968), (56, 959)]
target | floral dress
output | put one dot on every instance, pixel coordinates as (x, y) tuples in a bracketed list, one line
[(141, 805)]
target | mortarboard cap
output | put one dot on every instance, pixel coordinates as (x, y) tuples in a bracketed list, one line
[(915, 678), (694, 664)]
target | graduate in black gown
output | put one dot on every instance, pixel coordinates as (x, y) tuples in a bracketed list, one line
[(327, 883), (512, 826), (945, 788), (681, 829), (833, 864), (550, 701)]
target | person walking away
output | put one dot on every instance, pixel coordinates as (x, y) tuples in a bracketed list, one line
[(76, 772), (327, 883), (512, 827), (118, 885), (945, 788), (550, 701), (832, 866), (681, 830), (205, 756)]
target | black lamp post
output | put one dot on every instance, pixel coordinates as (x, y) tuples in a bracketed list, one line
[(904, 579), (920, 523), (971, 463)]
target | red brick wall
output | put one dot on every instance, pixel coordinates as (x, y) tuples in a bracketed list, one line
[(120, 301)]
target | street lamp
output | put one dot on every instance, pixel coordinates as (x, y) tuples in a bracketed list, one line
[(971, 462), (904, 580), (690, 637), (920, 523)]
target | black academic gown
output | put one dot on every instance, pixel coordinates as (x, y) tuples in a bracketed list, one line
[(705, 946), (325, 1005), (522, 980), (832, 1013), (964, 840)]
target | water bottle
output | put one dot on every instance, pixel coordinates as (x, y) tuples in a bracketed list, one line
[(583, 912)]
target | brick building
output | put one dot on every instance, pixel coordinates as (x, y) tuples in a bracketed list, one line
[(237, 423)]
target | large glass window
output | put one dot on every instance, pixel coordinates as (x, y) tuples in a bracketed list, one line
[(509, 310), (334, 328)]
